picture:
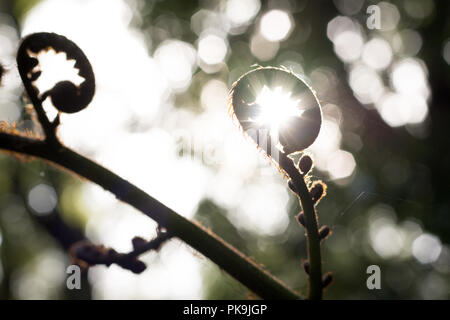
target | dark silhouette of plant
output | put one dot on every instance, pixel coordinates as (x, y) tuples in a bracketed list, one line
[(69, 98), (86, 254), (285, 125), (65, 96)]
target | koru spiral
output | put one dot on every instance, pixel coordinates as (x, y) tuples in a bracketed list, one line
[(65, 95)]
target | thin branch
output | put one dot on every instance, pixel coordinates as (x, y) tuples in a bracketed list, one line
[(313, 237), (141, 246), (86, 254), (198, 237)]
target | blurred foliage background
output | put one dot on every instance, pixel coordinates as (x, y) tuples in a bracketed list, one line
[(383, 149)]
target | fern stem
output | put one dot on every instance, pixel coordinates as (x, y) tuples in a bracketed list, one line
[(198, 237), (313, 237)]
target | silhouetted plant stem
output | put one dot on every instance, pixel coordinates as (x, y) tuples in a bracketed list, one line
[(48, 127), (86, 254), (146, 246), (198, 237), (311, 225)]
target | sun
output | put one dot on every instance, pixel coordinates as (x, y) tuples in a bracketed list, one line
[(276, 107)]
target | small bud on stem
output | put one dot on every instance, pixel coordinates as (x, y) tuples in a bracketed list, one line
[(318, 191), (305, 164), (306, 266), (324, 232), (327, 279), (301, 219), (138, 242)]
